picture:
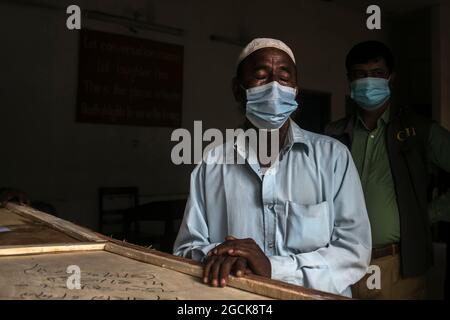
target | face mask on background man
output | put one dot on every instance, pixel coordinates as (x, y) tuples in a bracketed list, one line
[(370, 93), (270, 105)]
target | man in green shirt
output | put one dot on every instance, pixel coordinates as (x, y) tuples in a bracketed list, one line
[(395, 151), (371, 159)]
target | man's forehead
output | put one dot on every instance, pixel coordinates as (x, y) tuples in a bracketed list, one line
[(371, 64)]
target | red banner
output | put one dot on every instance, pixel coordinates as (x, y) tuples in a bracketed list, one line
[(127, 80)]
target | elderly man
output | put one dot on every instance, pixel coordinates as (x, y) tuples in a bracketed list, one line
[(305, 222)]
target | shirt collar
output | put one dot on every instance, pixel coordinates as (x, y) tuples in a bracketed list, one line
[(383, 120), (294, 136), (385, 117)]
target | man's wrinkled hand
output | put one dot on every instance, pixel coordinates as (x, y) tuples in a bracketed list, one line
[(235, 256)]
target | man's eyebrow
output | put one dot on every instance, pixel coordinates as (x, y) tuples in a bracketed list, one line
[(286, 68), (373, 69), (262, 66), (268, 66), (378, 69)]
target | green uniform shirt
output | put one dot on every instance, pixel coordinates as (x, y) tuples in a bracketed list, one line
[(371, 159)]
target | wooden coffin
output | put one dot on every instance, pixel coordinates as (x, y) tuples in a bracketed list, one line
[(42, 257)]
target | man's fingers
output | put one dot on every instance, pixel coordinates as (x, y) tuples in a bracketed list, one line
[(241, 252), (231, 243), (207, 268), (257, 262), (223, 249), (230, 246), (215, 270), (248, 255), (225, 269), (239, 267)]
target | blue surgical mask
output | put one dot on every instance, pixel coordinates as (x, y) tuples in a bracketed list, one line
[(270, 105), (370, 93)]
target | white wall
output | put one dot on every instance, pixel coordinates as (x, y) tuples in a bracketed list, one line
[(45, 152)]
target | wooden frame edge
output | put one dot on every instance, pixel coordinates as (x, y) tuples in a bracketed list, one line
[(67, 227), (254, 284), (19, 250)]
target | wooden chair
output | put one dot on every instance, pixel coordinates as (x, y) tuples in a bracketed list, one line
[(166, 211), (129, 197)]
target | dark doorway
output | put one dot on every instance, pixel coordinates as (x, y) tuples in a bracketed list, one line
[(313, 113)]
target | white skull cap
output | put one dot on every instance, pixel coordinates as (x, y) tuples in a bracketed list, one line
[(260, 43)]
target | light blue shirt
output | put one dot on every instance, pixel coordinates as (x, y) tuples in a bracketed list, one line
[(308, 216)]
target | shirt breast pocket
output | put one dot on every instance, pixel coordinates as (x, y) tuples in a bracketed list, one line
[(307, 226)]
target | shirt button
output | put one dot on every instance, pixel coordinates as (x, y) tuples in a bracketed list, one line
[(271, 245), (270, 206), (372, 136)]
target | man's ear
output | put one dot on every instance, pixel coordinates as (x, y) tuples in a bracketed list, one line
[(238, 91), (392, 80), (349, 82)]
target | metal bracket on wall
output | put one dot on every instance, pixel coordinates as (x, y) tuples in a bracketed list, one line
[(132, 23), (240, 42)]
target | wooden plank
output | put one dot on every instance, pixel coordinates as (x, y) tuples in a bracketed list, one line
[(50, 248), (255, 284), (67, 227), (280, 290), (151, 256)]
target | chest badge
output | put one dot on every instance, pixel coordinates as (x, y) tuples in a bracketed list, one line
[(405, 134)]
